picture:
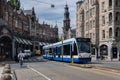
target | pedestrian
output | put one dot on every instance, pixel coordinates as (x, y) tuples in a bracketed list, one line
[(21, 57)]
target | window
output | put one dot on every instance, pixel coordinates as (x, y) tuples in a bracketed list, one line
[(93, 23), (90, 25), (93, 11), (84, 47), (91, 36), (117, 32), (117, 3), (110, 18), (110, 3), (103, 34), (90, 12), (66, 49), (103, 6), (110, 33), (117, 18), (103, 20)]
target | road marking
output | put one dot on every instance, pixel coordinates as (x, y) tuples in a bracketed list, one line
[(39, 73)]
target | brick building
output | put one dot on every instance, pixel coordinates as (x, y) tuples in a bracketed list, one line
[(20, 29)]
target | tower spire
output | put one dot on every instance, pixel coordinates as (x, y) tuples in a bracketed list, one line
[(66, 22), (66, 2)]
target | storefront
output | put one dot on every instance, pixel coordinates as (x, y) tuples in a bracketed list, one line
[(10, 45), (6, 40)]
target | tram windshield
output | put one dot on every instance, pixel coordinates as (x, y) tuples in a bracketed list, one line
[(84, 47)]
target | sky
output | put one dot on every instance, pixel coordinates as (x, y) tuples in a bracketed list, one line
[(49, 15)]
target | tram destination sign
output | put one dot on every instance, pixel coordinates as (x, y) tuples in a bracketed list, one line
[(83, 39)]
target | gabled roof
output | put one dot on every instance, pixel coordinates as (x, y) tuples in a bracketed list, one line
[(27, 12)]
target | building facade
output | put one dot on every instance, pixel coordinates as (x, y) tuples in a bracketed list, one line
[(99, 20), (20, 29)]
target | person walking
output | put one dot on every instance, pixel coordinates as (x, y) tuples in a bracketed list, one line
[(21, 58)]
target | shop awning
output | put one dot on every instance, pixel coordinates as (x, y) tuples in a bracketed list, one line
[(25, 41), (21, 41), (40, 43), (17, 40), (29, 42)]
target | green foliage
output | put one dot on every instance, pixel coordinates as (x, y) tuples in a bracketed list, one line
[(15, 4), (60, 39)]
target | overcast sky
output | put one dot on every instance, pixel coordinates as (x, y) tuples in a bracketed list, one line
[(44, 12)]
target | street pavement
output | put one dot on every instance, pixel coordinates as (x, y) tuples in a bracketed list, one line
[(52, 70), (36, 68)]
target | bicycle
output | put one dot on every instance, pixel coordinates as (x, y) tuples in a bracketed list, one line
[(21, 63)]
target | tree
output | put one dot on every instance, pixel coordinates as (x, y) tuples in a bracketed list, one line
[(15, 4)]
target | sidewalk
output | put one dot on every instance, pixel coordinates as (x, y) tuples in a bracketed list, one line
[(107, 64), (28, 74), (113, 66)]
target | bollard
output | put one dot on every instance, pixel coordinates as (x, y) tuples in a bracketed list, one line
[(3, 64), (72, 59), (6, 71), (7, 67), (6, 77)]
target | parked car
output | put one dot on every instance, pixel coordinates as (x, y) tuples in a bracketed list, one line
[(27, 53)]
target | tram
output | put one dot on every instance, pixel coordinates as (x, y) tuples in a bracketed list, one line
[(78, 48)]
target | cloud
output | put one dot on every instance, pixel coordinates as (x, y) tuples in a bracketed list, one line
[(45, 13)]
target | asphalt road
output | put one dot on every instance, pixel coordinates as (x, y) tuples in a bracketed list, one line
[(51, 70)]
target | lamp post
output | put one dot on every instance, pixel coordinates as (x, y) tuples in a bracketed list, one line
[(52, 5), (62, 48)]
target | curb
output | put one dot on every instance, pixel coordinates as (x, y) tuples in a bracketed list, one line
[(107, 69), (14, 75), (96, 67), (82, 65)]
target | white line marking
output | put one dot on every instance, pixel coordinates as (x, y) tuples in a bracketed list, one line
[(39, 73)]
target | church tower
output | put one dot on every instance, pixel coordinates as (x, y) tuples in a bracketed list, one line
[(66, 22)]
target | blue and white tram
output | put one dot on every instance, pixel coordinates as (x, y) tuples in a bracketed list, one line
[(79, 48)]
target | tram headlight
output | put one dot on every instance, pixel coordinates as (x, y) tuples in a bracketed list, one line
[(90, 56), (80, 56)]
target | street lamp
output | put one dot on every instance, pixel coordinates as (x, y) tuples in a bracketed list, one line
[(52, 5)]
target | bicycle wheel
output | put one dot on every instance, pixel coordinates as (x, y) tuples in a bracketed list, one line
[(21, 63)]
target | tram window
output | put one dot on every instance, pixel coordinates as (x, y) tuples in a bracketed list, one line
[(50, 50), (75, 49), (66, 49), (59, 50), (43, 52), (56, 51)]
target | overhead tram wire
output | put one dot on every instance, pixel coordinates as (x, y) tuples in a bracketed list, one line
[(52, 5)]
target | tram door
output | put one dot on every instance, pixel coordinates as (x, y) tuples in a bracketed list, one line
[(114, 52)]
